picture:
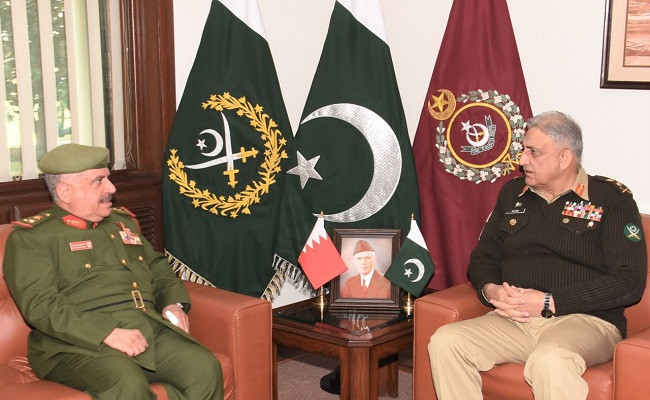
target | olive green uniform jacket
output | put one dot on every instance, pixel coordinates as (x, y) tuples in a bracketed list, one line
[(75, 281)]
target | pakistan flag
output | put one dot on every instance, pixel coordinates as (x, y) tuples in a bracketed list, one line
[(226, 156), (351, 158)]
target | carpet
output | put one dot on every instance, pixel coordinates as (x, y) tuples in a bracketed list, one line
[(299, 378)]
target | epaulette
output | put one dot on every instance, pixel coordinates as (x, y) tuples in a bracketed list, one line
[(31, 222), (624, 189), (123, 211)]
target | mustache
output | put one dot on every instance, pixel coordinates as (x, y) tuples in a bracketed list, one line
[(106, 199)]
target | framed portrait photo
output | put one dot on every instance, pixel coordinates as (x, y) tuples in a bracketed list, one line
[(367, 253), (626, 45)]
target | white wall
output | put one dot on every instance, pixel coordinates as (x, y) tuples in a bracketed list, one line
[(560, 45)]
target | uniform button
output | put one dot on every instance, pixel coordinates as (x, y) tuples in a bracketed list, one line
[(135, 285), (565, 220), (140, 258), (88, 266), (124, 261), (112, 236)]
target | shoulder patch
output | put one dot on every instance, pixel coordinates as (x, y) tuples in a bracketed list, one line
[(31, 222), (621, 187), (123, 211)]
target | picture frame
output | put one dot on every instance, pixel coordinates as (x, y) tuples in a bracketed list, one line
[(626, 58), (385, 244)]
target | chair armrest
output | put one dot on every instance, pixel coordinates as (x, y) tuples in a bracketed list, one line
[(238, 326), (431, 312), (632, 366)]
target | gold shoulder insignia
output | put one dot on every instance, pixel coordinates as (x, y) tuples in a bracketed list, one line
[(34, 220), (123, 211), (624, 189)]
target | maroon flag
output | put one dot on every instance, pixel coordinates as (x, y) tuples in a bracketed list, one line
[(468, 141)]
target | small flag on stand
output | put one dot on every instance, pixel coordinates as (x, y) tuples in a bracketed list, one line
[(319, 259), (412, 267)]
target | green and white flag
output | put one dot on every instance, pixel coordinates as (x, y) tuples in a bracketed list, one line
[(351, 157), (226, 156), (412, 267)]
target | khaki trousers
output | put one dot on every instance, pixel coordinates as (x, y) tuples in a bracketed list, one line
[(556, 352)]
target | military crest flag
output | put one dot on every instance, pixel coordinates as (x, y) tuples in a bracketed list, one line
[(470, 133), (226, 156)]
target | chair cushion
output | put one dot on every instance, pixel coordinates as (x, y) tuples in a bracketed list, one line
[(228, 376), (599, 378)]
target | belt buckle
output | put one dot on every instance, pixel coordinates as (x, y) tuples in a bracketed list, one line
[(137, 299)]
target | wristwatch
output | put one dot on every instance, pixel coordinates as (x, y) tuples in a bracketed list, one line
[(546, 312)]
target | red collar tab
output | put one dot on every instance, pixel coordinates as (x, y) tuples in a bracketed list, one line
[(75, 222), (580, 189)]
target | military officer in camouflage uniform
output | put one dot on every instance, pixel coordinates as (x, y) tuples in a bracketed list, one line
[(98, 296)]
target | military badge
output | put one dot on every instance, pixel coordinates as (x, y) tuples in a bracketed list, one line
[(238, 201), (480, 134), (32, 221), (633, 232), (75, 222)]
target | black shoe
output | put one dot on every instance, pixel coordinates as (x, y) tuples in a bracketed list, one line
[(331, 383)]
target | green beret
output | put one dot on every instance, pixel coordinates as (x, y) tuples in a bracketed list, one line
[(71, 158)]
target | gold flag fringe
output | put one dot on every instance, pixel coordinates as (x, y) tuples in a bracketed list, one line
[(184, 272), (285, 271)]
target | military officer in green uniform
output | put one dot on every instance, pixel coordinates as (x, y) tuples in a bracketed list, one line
[(107, 310)]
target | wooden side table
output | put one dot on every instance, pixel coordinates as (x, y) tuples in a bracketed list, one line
[(367, 346)]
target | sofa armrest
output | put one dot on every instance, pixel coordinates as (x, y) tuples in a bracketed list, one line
[(631, 367), (239, 327), (431, 312)]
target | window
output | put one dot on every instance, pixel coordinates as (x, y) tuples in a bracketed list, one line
[(62, 83)]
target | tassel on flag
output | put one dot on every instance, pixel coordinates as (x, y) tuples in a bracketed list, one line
[(412, 268), (319, 259)]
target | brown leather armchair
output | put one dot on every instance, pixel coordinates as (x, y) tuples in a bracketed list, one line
[(624, 378), (237, 328)]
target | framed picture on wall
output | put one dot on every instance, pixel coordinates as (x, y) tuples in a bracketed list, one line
[(626, 45), (367, 253)]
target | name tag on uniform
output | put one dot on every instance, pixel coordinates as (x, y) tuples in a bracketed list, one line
[(83, 245)]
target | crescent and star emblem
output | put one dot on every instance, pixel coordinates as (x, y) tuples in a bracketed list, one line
[(229, 158), (445, 105), (387, 159), (473, 150), (418, 264), (270, 164)]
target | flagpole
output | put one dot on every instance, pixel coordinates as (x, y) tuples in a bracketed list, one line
[(409, 306), (321, 298)]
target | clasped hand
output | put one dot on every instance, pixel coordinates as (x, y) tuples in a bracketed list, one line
[(513, 302), (132, 342)]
